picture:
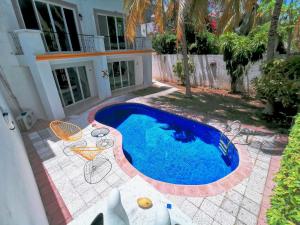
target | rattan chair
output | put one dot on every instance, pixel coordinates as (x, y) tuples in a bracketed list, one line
[(65, 131), (97, 166)]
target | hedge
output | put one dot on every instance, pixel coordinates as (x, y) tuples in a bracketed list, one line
[(285, 201)]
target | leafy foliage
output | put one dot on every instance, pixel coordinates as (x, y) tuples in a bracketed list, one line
[(239, 51), (178, 70), (200, 44), (206, 43), (164, 43), (280, 84), (286, 196)]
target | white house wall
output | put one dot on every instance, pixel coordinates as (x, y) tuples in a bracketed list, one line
[(19, 195), (19, 77), (32, 81), (86, 9)]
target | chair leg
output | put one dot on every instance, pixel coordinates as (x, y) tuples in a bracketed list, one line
[(91, 169)]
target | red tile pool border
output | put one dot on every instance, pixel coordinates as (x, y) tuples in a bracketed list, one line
[(55, 207), (224, 184), (270, 184)]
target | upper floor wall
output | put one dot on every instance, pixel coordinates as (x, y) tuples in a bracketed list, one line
[(71, 25)]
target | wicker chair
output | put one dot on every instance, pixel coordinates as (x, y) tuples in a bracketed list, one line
[(66, 131), (96, 167)]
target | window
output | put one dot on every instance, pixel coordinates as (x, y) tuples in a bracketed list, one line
[(112, 28), (112, 32), (60, 28), (72, 84), (120, 29), (70, 19), (121, 74), (57, 23), (46, 26), (102, 20), (28, 14)]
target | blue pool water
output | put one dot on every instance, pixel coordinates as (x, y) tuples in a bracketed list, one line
[(168, 147)]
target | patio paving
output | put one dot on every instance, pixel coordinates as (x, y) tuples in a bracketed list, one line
[(241, 205)]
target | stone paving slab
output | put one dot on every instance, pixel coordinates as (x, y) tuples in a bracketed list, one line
[(240, 205)]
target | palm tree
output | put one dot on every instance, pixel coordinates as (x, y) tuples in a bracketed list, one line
[(273, 29), (297, 33), (234, 12), (197, 10), (179, 10)]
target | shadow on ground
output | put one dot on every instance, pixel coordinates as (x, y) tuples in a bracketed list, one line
[(150, 90), (210, 106)]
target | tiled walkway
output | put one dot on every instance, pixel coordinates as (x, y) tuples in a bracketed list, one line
[(239, 206)]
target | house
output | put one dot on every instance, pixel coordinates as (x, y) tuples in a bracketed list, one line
[(57, 55)]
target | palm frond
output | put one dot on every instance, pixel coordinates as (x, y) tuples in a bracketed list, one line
[(182, 8), (199, 14), (159, 15), (226, 15), (135, 11), (172, 9), (249, 4), (232, 13)]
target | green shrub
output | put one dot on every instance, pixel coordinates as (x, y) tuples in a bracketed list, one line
[(164, 43), (280, 84), (206, 43), (201, 44), (239, 51), (285, 200), (178, 70)]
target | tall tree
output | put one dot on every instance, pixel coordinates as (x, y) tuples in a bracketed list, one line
[(193, 11), (273, 29), (197, 10)]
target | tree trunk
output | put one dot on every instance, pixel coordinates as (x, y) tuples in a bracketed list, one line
[(233, 85), (289, 42), (188, 91), (273, 29), (290, 30)]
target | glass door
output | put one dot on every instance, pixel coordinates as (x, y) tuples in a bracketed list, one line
[(124, 72), (112, 32), (117, 75), (72, 84), (46, 26), (63, 86), (75, 84), (84, 82), (131, 72), (112, 28), (59, 27), (121, 74)]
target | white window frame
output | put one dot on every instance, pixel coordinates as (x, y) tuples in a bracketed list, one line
[(70, 86), (116, 27), (128, 77), (52, 22)]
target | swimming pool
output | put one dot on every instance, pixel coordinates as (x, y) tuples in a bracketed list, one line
[(168, 147)]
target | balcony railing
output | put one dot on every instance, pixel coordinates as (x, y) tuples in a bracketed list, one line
[(65, 42), (16, 43), (113, 43), (70, 42)]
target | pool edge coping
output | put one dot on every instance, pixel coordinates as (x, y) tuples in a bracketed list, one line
[(224, 184)]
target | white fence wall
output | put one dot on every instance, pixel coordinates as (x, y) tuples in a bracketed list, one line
[(210, 71)]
